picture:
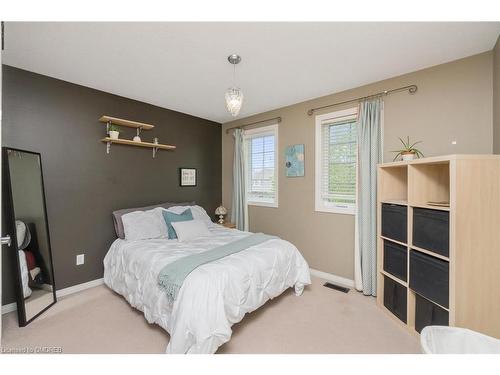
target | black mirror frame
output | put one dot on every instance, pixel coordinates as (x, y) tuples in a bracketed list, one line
[(10, 224)]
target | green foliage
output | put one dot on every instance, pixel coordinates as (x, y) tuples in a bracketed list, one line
[(408, 148), (114, 128), (341, 188)]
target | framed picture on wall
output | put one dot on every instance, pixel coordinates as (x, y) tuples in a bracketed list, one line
[(294, 161), (187, 176)]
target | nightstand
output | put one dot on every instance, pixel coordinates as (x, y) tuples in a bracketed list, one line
[(229, 225)]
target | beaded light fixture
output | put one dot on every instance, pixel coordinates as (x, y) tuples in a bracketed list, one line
[(234, 95)]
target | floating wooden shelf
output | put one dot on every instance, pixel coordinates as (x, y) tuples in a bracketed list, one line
[(139, 126), (154, 146), (127, 123), (139, 144)]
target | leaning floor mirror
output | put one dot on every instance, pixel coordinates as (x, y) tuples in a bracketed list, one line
[(25, 220)]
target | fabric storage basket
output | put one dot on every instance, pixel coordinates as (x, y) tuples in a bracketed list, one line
[(428, 314), (431, 230), (395, 260), (395, 298), (429, 277), (394, 222)]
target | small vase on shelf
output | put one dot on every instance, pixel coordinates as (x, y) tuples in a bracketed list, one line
[(113, 134)]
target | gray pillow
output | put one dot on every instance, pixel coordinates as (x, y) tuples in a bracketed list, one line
[(117, 215)]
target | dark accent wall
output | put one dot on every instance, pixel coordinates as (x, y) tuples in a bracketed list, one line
[(83, 184)]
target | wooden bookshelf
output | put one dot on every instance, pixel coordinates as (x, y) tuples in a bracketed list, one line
[(471, 185)]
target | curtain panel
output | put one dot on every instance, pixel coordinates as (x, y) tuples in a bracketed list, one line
[(369, 155), (238, 206)]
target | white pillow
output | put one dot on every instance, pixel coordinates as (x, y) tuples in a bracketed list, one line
[(189, 230), (143, 225), (198, 212), (164, 229)]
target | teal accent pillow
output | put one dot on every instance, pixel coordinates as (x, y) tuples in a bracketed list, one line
[(170, 218)]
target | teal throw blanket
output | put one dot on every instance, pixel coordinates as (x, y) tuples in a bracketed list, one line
[(173, 275)]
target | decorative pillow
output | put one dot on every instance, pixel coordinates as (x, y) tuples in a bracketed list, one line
[(189, 230), (143, 225), (171, 217), (117, 215)]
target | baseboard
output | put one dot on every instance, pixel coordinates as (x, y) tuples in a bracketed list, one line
[(60, 293), (79, 287), (333, 278), (9, 308)]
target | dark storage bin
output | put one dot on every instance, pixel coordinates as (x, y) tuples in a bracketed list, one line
[(395, 298), (395, 259), (428, 314), (394, 222), (431, 230), (429, 277)]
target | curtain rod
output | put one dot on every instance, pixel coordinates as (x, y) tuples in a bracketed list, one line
[(278, 119), (412, 89)]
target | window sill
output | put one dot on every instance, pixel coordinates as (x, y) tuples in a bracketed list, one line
[(337, 210), (263, 204)]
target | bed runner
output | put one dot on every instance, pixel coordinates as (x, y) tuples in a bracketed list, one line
[(172, 276)]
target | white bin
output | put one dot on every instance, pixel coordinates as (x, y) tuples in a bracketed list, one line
[(452, 340)]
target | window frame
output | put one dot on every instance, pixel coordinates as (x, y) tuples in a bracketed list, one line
[(257, 132), (318, 202)]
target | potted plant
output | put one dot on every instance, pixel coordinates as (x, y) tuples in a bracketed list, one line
[(113, 131), (408, 152)]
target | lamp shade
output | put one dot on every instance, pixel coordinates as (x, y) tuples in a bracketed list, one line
[(234, 100), (221, 210)]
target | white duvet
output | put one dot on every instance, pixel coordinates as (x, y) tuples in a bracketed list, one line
[(214, 296)]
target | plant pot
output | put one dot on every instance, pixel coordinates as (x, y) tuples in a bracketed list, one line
[(408, 156), (113, 134), (137, 139)]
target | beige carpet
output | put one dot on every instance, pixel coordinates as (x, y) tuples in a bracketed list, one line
[(320, 321)]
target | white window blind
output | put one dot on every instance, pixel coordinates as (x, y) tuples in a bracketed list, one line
[(261, 166), (336, 183)]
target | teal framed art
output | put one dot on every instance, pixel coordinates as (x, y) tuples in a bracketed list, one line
[(294, 161)]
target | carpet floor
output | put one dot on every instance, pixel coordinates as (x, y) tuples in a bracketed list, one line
[(322, 320)]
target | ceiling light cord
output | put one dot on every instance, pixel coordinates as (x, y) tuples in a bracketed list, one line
[(234, 75)]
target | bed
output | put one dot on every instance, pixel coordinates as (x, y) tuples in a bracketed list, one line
[(215, 295)]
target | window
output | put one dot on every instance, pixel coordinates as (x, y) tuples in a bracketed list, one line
[(336, 153), (261, 146)]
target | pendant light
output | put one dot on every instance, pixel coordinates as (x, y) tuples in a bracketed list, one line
[(234, 95)]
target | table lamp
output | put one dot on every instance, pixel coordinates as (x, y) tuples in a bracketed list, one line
[(221, 211)]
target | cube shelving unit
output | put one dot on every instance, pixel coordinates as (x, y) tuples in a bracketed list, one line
[(471, 185)]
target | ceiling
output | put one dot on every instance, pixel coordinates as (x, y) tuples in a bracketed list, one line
[(183, 66)]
